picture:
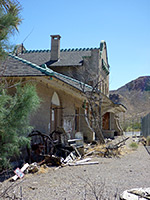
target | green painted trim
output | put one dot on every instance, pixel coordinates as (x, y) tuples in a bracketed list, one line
[(62, 50), (101, 46), (44, 69), (74, 80), (105, 67)]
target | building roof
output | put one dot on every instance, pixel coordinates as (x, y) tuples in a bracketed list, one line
[(73, 82), (68, 57), (15, 66)]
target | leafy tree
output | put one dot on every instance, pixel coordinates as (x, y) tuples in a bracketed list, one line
[(15, 109), (14, 120), (9, 21)]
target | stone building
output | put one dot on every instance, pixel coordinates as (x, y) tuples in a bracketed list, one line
[(60, 76)]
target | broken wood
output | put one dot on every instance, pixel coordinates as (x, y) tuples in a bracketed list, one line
[(89, 153), (77, 152), (121, 142), (51, 160), (33, 168), (139, 194), (84, 160), (112, 149), (70, 158), (83, 163), (73, 162)]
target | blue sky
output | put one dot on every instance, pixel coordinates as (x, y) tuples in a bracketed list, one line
[(123, 24)]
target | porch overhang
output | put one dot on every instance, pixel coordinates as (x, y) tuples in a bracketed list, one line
[(116, 108), (109, 106)]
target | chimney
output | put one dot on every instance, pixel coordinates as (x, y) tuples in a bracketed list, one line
[(55, 47)]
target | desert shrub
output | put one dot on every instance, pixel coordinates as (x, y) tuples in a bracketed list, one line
[(133, 145), (94, 190), (148, 141)]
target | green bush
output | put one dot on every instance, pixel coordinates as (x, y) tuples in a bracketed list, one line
[(15, 111), (148, 141), (133, 145)]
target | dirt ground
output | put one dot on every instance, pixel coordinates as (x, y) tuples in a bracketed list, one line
[(110, 176)]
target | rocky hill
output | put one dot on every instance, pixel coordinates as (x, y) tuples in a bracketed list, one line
[(135, 95)]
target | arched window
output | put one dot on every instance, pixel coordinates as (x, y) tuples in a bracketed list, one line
[(55, 99), (55, 112)]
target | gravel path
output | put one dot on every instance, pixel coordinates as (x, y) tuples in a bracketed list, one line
[(72, 183)]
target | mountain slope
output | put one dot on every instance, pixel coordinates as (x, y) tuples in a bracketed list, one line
[(135, 95)]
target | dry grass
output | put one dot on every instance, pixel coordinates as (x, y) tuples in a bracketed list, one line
[(43, 169), (102, 151)]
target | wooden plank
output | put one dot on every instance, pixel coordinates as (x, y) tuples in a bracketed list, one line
[(74, 140), (83, 163)]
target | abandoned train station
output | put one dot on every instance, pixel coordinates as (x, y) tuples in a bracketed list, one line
[(63, 77)]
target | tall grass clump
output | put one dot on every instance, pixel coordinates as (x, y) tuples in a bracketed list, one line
[(133, 145)]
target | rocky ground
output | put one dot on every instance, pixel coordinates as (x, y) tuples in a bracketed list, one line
[(111, 175)]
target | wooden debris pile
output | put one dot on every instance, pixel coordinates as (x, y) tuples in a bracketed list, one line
[(108, 150), (56, 150), (73, 160), (52, 150)]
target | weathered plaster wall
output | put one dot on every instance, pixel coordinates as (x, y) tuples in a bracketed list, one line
[(85, 128), (69, 104), (41, 119)]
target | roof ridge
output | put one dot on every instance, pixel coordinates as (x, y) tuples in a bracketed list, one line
[(61, 50), (78, 49), (36, 51)]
